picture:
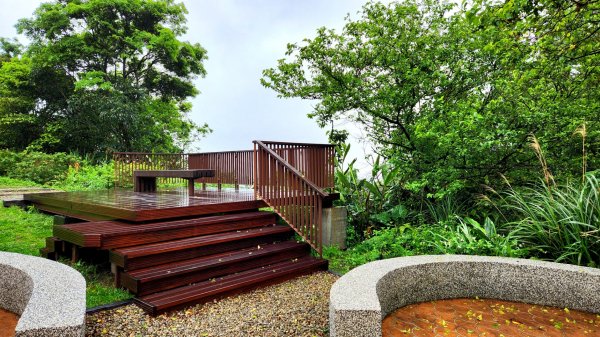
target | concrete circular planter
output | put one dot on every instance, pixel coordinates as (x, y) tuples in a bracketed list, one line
[(49, 296), (362, 298)]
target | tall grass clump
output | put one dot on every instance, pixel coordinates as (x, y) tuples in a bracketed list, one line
[(559, 222)]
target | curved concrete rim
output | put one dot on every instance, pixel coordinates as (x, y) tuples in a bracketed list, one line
[(361, 299), (49, 296)]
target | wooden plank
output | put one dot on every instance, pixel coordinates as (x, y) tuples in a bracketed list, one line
[(168, 276), (117, 234), (137, 257), (205, 291), (138, 207)]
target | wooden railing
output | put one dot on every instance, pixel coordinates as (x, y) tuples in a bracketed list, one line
[(232, 167), (289, 177), (314, 161), (127, 162), (287, 190)]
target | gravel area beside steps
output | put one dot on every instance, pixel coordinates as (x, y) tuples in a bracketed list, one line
[(299, 307)]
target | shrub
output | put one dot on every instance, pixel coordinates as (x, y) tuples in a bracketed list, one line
[(8, 161), (42, 168), (88, 177), (462, 236)]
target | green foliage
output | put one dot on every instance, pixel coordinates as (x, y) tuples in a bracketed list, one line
[(100, 288), (120, 75), (463, 236), (59, 170), (88, 177), (469, 237), (370, 201), (6, 182), (8, 161), (42, 168), (560, 223), (446, 209), (448, 95)]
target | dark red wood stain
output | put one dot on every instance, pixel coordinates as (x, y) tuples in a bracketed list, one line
[(172, 249), (135, 206)]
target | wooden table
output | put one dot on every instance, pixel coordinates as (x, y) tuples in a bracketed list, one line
[(145, 180)]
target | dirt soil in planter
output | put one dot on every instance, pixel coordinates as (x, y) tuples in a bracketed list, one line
[(490, 318), (8, 323), (299, 307)]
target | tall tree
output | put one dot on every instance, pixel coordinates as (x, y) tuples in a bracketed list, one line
[(107, 74), (445, 93)]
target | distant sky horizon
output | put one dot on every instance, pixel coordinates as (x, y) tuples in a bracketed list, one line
[(242, 39)]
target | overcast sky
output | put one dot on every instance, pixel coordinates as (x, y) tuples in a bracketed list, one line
[(242, 38)]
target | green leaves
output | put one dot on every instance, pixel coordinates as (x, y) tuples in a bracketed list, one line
[(108, 62), (447, 95)]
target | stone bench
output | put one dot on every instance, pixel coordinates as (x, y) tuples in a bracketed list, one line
[(362, 298), (49, 296)]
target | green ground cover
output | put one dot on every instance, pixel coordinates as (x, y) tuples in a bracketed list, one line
[(6, 182)]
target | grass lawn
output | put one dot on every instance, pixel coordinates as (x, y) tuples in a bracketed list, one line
[(6, 182), (25, 232)]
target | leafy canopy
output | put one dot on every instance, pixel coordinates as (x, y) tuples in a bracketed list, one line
[(101, 75), (450, 95)]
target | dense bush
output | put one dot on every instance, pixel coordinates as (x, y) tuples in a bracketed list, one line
[(8, 160), (41, 167), (58, 170), (88, 177), (461, 236)]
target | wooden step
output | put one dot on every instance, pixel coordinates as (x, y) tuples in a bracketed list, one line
[(227, 285), (116, 234), (168, 276), (136, 257)]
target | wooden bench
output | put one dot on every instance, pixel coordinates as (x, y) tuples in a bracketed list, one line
[(145, 180)]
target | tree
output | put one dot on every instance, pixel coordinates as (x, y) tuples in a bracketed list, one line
[(106, 75), (445, 93)]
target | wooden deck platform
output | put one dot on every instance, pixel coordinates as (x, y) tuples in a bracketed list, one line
[(173, 249), (139, 207)]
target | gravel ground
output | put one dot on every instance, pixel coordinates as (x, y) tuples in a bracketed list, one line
[(299, 307)]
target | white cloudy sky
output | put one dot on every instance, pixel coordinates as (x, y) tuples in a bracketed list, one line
[(242, 38)]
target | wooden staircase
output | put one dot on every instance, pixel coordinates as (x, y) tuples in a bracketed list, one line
[(171, 264)]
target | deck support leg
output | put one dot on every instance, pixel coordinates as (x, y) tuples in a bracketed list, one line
[(203, 186), (237, 186), (219, 184), (74, 253), (115, 270), (190, 187)]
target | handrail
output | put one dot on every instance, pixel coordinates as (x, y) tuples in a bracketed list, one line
[(291, 168), (314, 161), (296, 143), (292, 196)]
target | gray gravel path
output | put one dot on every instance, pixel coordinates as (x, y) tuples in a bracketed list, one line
[(299, 307)]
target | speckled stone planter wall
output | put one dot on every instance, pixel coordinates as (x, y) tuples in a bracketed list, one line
[(362, 298), (49, 296)]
